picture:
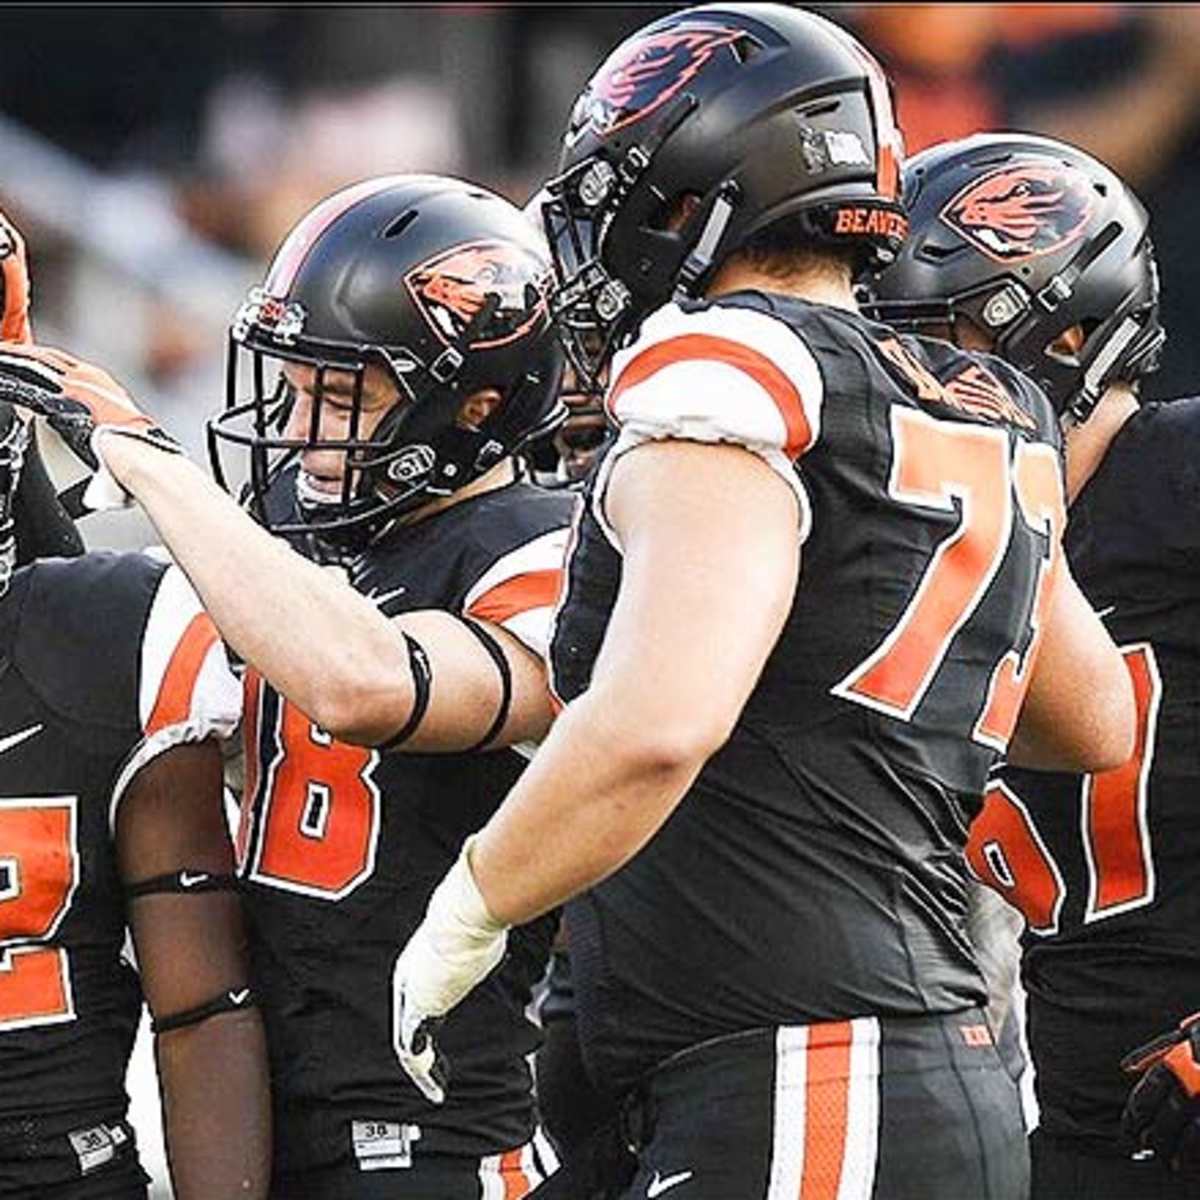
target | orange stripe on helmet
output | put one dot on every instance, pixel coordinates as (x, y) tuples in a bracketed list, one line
[(889, 142), (826, 1109), (286, 264), (174, 700), (703, 347)]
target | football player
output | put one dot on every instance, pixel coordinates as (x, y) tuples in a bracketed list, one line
[(766, 763), (113, 689), (401, 354), (1036, 251), (409, 480)]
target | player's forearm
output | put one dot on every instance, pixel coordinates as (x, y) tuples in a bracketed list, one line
[(318, 642), (216, 1108), (598, 790)]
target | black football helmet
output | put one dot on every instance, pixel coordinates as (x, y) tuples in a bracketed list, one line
[(1028, 237), (14, 441), (758, 111), (443, 285)]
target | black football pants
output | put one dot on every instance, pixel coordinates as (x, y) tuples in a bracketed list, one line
[(869, 1109)]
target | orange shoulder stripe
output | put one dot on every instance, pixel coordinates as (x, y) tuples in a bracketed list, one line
[(174, 700), (533, 589)]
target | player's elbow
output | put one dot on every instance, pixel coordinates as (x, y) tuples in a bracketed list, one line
[(363, 704), (1094, 731), (670, 745)]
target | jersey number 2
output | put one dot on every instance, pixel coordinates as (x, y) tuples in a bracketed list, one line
[(39, 872)]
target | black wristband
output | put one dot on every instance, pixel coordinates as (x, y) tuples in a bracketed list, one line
[(497, 655), (422, 676), (231, 1001)]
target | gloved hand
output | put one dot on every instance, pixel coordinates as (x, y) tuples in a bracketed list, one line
[(14, 285), (455, 947), (82, 404), (1163, 1110)]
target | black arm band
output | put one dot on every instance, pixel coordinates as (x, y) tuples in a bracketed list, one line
[(422, 677), (233, 1001), (497, 655), (185, 882)]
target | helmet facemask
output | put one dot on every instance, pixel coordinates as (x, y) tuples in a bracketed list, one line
[(485, 299)]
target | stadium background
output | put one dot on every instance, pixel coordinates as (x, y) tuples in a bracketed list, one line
[(154, 157)]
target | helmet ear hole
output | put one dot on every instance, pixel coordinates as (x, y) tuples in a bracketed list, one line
[(1067, 345)]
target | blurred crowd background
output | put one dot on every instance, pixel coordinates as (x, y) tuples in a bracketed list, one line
[(156, 156)]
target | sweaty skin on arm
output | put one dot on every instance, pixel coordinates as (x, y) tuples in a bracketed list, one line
[(1079, 712), (191, 948), (710, 544), (312, 637)]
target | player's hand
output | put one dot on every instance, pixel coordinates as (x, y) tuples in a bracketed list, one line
[(1163, 1110), (82, 403), (14, 285), (457, 945)]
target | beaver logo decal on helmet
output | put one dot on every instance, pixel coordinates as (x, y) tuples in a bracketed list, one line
[(644, 74), (452, 289), (1022, 211)]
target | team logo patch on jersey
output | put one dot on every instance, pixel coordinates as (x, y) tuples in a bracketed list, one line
[(645, 74), (451, 289), (1020, 212)]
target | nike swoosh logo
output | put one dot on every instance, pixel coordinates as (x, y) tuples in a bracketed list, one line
[(188, 880), (381, 598), (15, 739), (239, 997), (658, 1185)]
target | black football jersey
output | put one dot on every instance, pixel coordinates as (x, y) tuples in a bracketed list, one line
[(341, 847), (1106, 867), (106, 661), (815, 869)]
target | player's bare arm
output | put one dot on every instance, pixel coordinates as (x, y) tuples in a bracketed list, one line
[(1079, 711), (705, 589), (350, 671), (706, 586), (176, 863)]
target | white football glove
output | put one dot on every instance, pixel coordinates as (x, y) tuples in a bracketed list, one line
[(455, 947)]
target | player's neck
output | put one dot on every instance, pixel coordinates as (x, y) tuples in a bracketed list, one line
[(1087, 444), (501, 475), (820, 286)]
